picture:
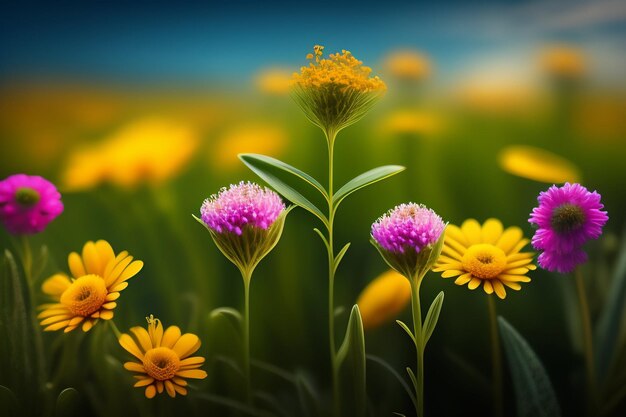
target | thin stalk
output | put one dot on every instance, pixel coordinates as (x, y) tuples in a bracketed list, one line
[(246, 335), (419, 345), (116, 331), (27, 262), (587, 341), (496, 359), (330, 137)]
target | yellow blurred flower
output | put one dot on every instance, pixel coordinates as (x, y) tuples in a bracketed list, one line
[(337, 91), (383, 299), (148, 150), (485, 255), (98, 277), (163, 358), (412, 122), (538, 165), (408, 65), (264, 138), (275, 81), (563, 61)]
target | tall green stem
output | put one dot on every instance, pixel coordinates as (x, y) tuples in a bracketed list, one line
[(27, 263), (496, 359), (246, 335), (330, 137), (419, 345), (588, 342)]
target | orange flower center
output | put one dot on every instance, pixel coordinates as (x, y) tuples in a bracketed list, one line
[(85, 296), (161, 363), (484, 261)]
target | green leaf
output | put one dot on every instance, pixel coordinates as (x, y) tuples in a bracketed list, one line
[(321, 235), (608, 330), (340, 255), (228, 314), (432, 317), (351, 361), (367, 178), (389, 368), (67, 403), (8, 402), (412, 377), (407, 330), (266, 167), (534, 393)]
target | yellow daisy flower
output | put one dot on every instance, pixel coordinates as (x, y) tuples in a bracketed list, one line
[(486, 255), (384, 298), (98, 276), (164, 358)]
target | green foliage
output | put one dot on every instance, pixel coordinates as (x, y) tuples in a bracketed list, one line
[(351, 360)]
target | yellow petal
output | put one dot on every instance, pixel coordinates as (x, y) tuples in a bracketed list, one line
[(491, 231), (383, 299), (76, 320), (119, 264), (55, 319), (56, 326), (69, 329), (88, 324), (521, 263), (509, 239), (143, 382), (131, 347), (170, 337), (132, 270), (159, 386), (472, 231), (192, 373), (516, 271), (150, 391), (76, 265), (512, 285), (520, 245), (192, 361), (142, 337), (134, 367), (108, 269), (463, 279), (451, 273), (180, 390), (455, 233), (105, 252), (186, 345), (513, 278), (157, 334), (53, 312), (179, 381), (169, 387), (106, 314), (109, 306), (119, 287), (447, 250), (474, 283), (112, 296), (91, 259), (488, 287), (499, 289), (56, 285)]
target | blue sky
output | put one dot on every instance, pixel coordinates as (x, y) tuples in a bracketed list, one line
[(228, 41)]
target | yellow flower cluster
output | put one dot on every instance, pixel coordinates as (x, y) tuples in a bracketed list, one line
[(563, 61), (342, 70), (408, 65)]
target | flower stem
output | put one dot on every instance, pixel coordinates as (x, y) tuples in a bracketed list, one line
[(246, 335), (27, 263), (116, 331), (496, 359), (330, 137), (588, 342), (419, 345)]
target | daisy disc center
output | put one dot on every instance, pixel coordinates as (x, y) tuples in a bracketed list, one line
[(567, 217), (161, 363), (484, 261), (85, 296)]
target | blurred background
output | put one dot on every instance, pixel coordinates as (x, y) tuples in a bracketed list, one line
[(137, 113)]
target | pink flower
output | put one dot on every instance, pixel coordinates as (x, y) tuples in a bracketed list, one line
[(28, 203)]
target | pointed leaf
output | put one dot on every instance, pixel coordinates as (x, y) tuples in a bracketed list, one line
[(534, 393), (67, 403), (321, 235), (608, 330), (412, 377), (340, 255), (260, 160), (351, 360), (432, 316), (407, 330), (267, 168), (367, 178)]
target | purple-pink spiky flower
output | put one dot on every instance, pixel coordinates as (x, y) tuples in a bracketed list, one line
[(28, 203), (407, 226), (241, 205), (566, 218)]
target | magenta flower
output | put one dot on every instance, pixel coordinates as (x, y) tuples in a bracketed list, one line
[(28, 203), (244, 204), (566, 218), (406, 226)]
